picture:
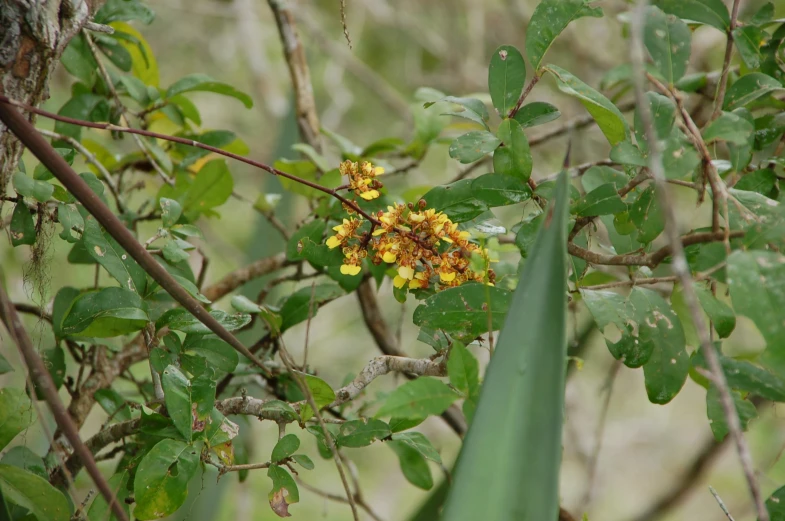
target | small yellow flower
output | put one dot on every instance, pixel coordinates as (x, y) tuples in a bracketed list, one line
[(420, 280), (389, 257), (369, 195), (333, 242), (399, 281), (446, 276), (406, 272), (350, 269)]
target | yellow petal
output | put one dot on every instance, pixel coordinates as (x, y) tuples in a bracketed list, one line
[(399, 281), (389, 256), (447, 239), (350, 269), (378, 170), (447, 277), (416, 217), (333, 242), (406, 272), (370, 194), (415, 284), (379, 231)]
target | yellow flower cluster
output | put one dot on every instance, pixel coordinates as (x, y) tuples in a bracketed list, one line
[(412, 238), (362, 178)]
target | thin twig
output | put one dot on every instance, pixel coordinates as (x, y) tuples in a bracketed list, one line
[(41, 376), (308, 324), (723, 83), (721, 503), (681, 268)]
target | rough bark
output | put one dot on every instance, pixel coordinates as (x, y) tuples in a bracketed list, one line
[(33, 35)]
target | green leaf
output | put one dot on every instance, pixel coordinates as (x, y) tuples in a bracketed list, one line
[(34, 493), (313, 230), (180, 319), (284, 491), (418, 398), (757, 288), (22, 225), (679, 157), (646, 214), (506, 76), (748, 40), (170, 212), (536, 113), (105, 313), (473, 146), (721, 315), (219, 430), (5, 367), (716, 414), (79, 61), (285, 447), (466, 309), (749, 88), (728, 127), (457, 200), (663, 115), (474, 110), (29, 187), (709, 12), (304, 461), (204, 83), (603, 200), (420, 443), (24, 458), (359, 433), (761, 181), (212, 187), (161, 482), (775, 504), (16, 414), (597, 176), (108, 253), (177, 396), (296, 307), (508, 467), (402, 424), (463, 370), (513, 158), (668, 41), (608, 117), (99, 510), (218, 353), (284, 409), (625, 153), (498, 190), (86, 107), (113, 404), (321, 392), (69, 218), (666, 369), (413, 465), (549, 19)]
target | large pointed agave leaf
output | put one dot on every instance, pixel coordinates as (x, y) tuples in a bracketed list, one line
[(509, 464)]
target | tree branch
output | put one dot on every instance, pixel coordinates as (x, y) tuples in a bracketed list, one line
[(723, 83), (681, 268), (238, 277)]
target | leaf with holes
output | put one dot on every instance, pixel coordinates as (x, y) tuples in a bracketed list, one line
[(108, 253), (667, 39)]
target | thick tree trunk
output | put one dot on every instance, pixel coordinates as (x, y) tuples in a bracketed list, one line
[(33, 35)]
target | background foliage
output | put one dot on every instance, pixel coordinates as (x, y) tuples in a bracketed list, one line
[(216, 74)]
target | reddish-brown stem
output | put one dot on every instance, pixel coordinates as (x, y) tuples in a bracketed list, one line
[(523, 96), (190, 142)]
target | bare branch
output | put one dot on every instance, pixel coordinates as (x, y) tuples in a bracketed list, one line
[(681, 268), (723, 82)]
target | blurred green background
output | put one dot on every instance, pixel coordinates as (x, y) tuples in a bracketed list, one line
[(364, 94)]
